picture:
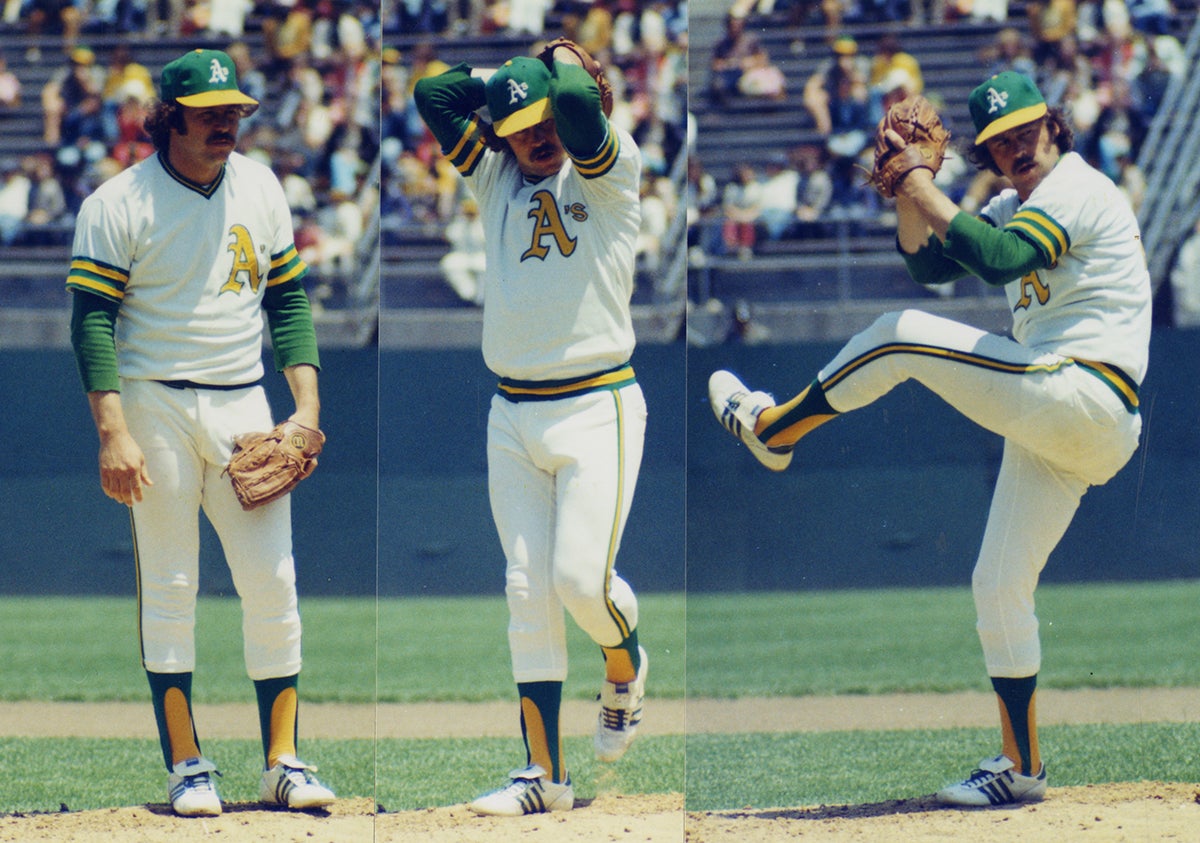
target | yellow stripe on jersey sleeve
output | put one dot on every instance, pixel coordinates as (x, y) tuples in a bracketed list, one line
[(1043, 230), (285, 266), (99, 278), (470, 146), (602, 161)]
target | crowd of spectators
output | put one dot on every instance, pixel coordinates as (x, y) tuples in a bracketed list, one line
[(643, 47), (315, 65), (1107, 62)]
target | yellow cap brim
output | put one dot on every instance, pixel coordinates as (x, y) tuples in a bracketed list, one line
[(1010, 121), (528, 116), (211, 98)]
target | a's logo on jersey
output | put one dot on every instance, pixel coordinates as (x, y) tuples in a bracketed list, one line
[(548, 222), (517, 91), (997, 100), (244, 268), (220, 75), (1032, 287)]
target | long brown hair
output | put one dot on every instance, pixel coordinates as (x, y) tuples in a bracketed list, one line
[(1060, 130)]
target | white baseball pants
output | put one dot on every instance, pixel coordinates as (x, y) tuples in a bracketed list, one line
[(561, 476), (1064, 429), (187, 438)]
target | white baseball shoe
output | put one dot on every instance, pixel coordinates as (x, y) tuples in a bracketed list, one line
[(529, 791), (995, 783), (620, 713), (191, 789), (291, 783), (737, 409)]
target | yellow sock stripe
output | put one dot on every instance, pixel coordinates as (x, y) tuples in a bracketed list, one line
[(539, 744), (618, 665), (180, 731), (282, 740)]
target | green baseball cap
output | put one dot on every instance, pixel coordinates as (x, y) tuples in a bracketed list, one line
[(518, 95), (1007, 100), (203, 78)]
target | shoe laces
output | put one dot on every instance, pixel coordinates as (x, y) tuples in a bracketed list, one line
[(200, 781), (614, 718)]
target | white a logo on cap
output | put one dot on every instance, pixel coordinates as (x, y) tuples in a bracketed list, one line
[(220, 75), (997, 100), (517, 91)]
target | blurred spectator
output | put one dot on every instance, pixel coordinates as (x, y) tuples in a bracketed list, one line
[(10, 86), (595, 31), (815, 190), (1150, 86), (656, 219), (1152, 17), (703, 207), (1185, 281), (988, 10), (777, 197), (891, 67), (1119, 130), (47, 201), (14, 201), (124, 79), (737, 51), (1065, 73), (462, 267), (1049, 22), (251, 80), (1010, 51), (71, 100), (527, 17), (132, 144), (838, 88), (740, 207), (288, 33), (422, 17), (228, 17), (1131, 181), (53, 17)]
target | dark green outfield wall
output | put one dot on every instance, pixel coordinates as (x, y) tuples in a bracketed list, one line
[(895, 494)]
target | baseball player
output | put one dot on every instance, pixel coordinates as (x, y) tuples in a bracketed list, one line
[(175, 262), (1063, 392), (560, 204)]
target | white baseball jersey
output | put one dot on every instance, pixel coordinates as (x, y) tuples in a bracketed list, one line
[(1082, 221), (188, 265), (560, 255)]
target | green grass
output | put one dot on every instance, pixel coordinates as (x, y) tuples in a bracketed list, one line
[(1131, 634), (456, 648), (728, 772), (847, 642)]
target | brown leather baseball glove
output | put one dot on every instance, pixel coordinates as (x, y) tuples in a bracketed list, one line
[(923, 143), (593, 67), (266, 466)]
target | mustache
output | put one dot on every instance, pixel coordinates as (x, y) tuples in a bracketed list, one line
[(223, 136)]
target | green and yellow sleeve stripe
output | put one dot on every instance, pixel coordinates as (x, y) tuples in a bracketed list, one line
[(1039, 228), (286, 266), (96, 277)]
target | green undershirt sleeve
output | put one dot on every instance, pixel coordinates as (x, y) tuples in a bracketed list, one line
[(289, 320), (995, 255), (929, 264), (446, 103), (578, 116), (93, 337)]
